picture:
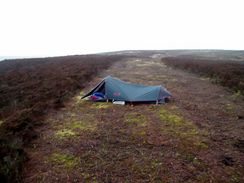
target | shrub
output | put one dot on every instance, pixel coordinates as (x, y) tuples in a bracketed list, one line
[(29, 88), (225, 72)]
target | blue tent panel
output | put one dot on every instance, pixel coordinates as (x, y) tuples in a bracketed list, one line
[(115, 89)]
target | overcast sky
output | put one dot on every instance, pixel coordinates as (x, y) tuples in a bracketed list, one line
[(66, 27)]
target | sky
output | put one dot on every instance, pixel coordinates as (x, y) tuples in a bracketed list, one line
[(66, 27)]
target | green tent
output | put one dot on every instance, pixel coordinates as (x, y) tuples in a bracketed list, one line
[(114, 89)]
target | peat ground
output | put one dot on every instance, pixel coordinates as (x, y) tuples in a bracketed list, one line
[(197, 137)]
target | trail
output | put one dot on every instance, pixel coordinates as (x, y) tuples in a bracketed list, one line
[(197, 137)]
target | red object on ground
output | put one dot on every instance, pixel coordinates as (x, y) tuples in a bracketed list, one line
[(94, 97)]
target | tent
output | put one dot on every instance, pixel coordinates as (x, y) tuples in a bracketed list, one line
[(114, 89)]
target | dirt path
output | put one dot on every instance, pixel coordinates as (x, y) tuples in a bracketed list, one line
[(197, 137)]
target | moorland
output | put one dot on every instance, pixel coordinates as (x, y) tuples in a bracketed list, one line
[(47, 134)]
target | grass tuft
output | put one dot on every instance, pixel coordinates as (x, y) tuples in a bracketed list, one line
[(172, 119), (201, 145), (229, 108), (67, 160), (65, 133), (1, 122)]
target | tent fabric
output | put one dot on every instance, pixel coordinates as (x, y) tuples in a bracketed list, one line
[(118, 90)]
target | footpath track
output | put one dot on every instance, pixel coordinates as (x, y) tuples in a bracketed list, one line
[(197, 137)]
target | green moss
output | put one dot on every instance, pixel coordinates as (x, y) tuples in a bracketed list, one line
[(101, 105), (81, 125), (192, 131), (67, 160), (178, 123), (191, 138), (171, 118), (65, 133), (72, 129), (201, 145), (136, 119), (187, 134)]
